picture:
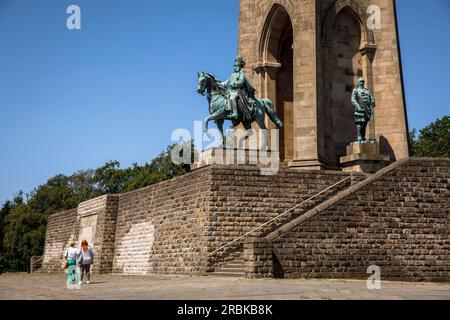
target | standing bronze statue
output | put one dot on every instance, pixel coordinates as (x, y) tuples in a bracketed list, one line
[(364, 103), (235, 100)]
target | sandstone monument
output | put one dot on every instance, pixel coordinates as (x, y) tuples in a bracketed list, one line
[(334, 208), (307, 56)]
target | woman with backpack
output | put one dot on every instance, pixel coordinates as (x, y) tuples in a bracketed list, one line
[(85, 260), (70, 263)]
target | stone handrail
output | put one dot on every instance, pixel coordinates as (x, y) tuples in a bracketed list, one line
[(330, 202), (35, 263), (279, 216)]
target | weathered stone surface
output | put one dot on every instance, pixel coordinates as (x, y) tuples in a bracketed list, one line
[(170, 227), (364, 158), (61, 228), (161, 228), (242, 200), (267, 160), (24, 286), (306, 56), (397, 220), (258, 260)]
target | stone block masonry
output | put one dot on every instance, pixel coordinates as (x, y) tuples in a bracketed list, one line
[(161, 228), (397, 220), (171, 227), (105, 231), (158, 229), (306, 56), (242, 200), (61, 228)]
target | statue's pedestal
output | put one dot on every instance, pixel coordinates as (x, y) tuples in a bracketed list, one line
[(221, 156), (364, 157)]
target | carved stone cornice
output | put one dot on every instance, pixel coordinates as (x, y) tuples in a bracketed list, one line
[(266, 66)]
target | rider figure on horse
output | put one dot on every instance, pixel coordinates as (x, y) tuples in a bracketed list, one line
[(240, 89)]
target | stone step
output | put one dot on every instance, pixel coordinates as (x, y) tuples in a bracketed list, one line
[(237, 261), (234, 268), (230, 269), (228, 274), (233, 264)]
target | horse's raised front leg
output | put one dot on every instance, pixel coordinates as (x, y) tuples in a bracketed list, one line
[(220, 126), (206, 125), (217, 117), (248, 133), (265, 140)]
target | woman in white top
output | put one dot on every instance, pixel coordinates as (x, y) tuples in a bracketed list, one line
[(71, 256)]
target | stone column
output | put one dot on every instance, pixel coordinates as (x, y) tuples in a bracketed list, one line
[(268, 72), (305, 23), (368, 54)]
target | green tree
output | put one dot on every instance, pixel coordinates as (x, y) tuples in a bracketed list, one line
[(55, 195), (4, 211), (433, 140), (24, 234), (109, 179), (159, 169), (23, 221), (83, 187)]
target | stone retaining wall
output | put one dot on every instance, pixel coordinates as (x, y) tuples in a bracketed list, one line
[(171, 227), (243, 199), (161, 228), (61, 228), (399, 222)]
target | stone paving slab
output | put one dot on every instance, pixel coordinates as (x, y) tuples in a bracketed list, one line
[(166, 287)]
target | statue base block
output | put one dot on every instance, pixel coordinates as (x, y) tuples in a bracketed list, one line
[(222, 156), (364, 157)]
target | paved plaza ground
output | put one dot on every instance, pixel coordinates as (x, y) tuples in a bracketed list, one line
[(106, 287)]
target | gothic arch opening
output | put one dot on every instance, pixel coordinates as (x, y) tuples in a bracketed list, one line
[(343, 66), (277, 64)]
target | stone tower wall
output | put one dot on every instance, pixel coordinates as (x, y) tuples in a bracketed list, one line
[(310, 126)]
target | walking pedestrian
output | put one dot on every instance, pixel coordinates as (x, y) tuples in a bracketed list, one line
[(85, 260), (70, 262)]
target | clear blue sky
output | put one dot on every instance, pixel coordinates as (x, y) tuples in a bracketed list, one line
[(73, 100)]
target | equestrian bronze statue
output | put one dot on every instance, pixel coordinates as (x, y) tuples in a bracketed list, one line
[(235, 100)]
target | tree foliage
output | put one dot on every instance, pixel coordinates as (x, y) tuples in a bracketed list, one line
[(23, 220), (433, 140)]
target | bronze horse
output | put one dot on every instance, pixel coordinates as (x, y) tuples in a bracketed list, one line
[(217, 99)]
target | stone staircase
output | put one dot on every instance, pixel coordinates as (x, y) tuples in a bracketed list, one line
[(235, 267), (232, 269), (334, 199)]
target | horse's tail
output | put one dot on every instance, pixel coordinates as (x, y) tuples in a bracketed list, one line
[(271, 113)]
